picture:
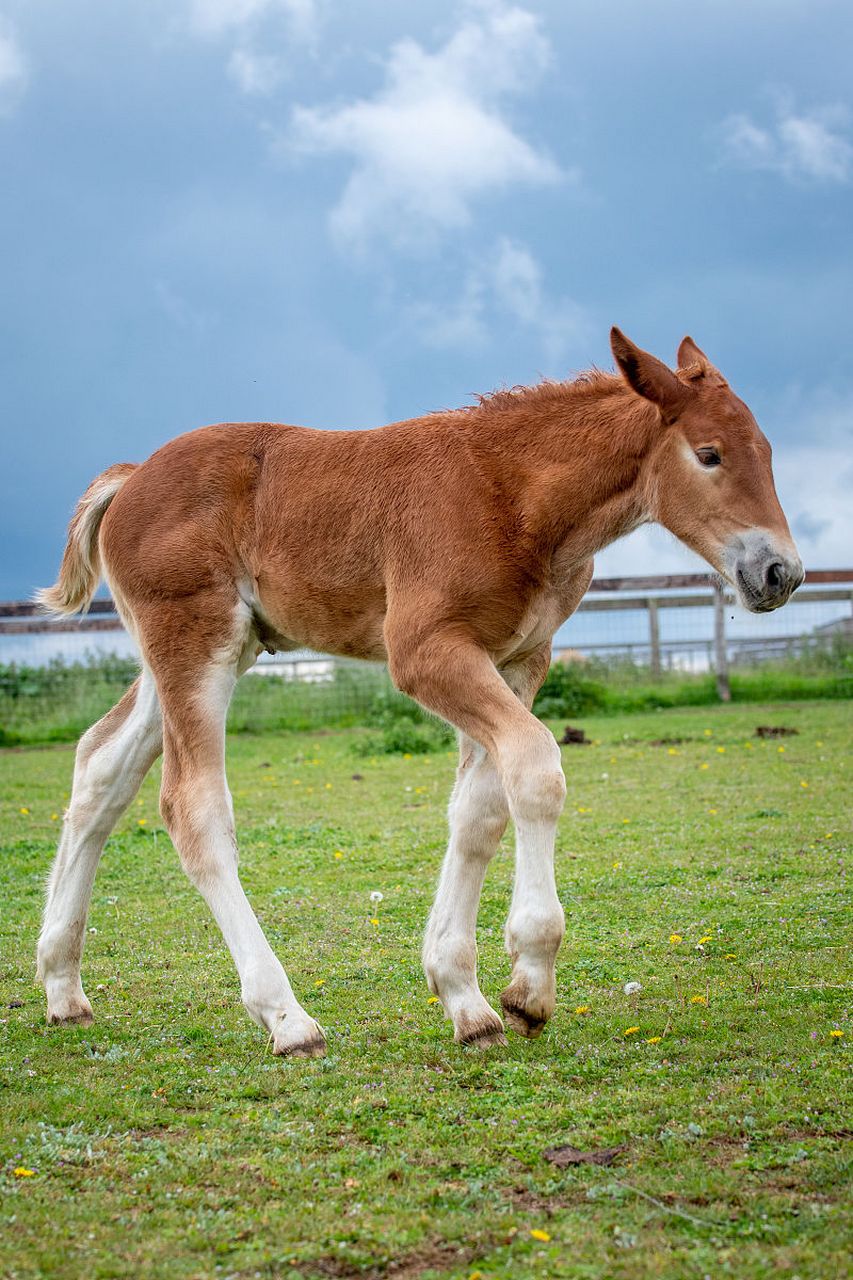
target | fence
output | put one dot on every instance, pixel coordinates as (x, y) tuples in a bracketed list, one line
[(675, 622)]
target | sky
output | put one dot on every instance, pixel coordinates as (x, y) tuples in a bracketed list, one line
[(341, 215)]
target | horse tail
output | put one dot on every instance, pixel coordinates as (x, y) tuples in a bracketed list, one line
[(80, 570)]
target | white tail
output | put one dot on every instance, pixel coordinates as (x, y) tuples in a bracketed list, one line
[(80, 570)]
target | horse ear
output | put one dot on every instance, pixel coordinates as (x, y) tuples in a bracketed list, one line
[(647, 375), (694, 364)]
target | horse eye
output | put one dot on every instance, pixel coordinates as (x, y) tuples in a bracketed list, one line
[(708, 457)]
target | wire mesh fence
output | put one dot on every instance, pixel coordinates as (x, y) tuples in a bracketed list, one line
[(655, 633)]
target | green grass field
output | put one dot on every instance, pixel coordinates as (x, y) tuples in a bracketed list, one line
[(165, 1141)]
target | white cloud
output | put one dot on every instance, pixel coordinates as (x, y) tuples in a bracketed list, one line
[(810, 146), (506, 286), (433, 138), (219, 17), (13, 70), (252, 28), (256, 74)]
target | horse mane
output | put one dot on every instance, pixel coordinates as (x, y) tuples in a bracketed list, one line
[(591, 384)]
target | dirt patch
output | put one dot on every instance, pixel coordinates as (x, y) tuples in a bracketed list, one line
[(573, 737), (430, 1257), (669, 742), (775, 731), (565, 1156)]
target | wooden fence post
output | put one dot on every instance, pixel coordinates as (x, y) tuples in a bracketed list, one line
[(721, 657), (654, 637)]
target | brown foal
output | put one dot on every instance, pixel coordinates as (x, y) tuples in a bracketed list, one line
[(452, 546)]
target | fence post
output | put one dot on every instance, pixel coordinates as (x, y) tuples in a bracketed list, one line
[(721, 657), (654, 637)]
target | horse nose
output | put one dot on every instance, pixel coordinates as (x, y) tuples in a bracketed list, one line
[(782, 578), (774, 577)]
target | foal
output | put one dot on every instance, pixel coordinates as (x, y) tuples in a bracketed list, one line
[(451, 546)]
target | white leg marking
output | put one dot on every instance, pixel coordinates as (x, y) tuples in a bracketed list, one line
[(199, 815), (478, 816), (536, 788), (105, 781)]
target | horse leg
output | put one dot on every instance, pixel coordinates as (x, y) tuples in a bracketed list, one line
[(196, 806), (456, 679), (112, 759), (478, 817)]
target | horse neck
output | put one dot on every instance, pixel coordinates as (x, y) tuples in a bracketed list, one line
[(572, 456)]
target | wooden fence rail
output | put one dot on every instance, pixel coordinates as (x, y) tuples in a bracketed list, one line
[(650, 593)]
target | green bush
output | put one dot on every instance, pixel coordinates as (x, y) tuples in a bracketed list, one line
[(569, 691)]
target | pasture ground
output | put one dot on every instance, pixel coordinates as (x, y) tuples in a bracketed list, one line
[(165, 1141)]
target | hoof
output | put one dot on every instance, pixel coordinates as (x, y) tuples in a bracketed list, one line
[(520, 1021), (303, 1042), (524, 1022), (484, 1033), (78, 1014)]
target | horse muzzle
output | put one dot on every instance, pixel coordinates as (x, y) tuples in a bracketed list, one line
[(764, 573)]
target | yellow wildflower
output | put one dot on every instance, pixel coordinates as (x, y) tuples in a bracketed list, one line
[(433, 1000), (582, 1008), (653, 1040), (23, 810), (721, 751), (630, 1031), (803, 784), (321, 982), (540, 1235), (617, 866), (702, 941), (675, 938), (781, 750), (836, 1034), (21, 1172), (142, 822), (339, 853), (698, 1000), (730, 955), (374, 921)]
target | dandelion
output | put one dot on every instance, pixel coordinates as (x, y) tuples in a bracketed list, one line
[(617, 866), (433, 1000), (631, 988), (142, 822), (630, 1031), (698, 1000), (671, 751), (781, 750), (374, 921), (321, 982), (836, 1035), (21, 1172), (708, 732), (653, 1040), (730, 955), (712, 810), (804, 784), (23, 810), (721, 751), (582, 1008), (675, 938), (626, 819), (704, 766), (702, 941), (376, 896), (540, 1235), (54, 817), (339, 853), (328, 786)]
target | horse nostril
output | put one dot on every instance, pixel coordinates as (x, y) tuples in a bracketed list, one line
[(775, 576)]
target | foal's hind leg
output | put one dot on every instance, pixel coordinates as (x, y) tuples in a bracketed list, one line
[(196, 807), (112, 759)]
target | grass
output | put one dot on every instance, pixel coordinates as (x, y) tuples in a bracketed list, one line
[(165, 1141)]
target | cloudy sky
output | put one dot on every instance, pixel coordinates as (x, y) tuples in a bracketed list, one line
[(341, 214)]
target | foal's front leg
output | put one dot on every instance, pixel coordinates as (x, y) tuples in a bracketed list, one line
[(459, 682), (478, 817)]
